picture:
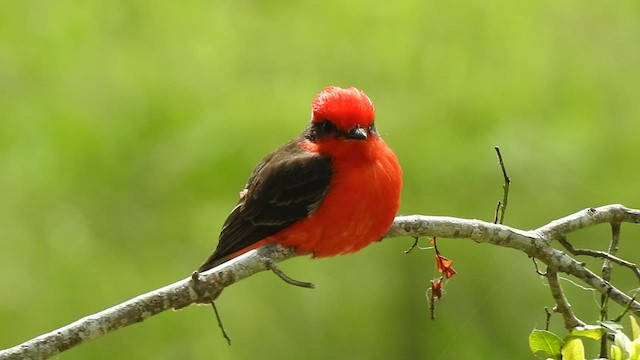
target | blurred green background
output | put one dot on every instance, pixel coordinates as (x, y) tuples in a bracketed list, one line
[(128, 128)]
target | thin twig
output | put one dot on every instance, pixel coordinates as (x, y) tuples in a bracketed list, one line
[(627, 308), (415, 243), (599, 254), (224, 332), (434, 292), (613, 248), (548, 318), (562, 304), (606, 276), (604, 314), (505, 186), (276, 270), (535, 263)]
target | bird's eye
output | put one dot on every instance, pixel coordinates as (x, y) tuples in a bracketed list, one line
[(328, 127)]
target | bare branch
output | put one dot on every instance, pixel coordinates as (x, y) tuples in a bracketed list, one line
[(606, 275), (589, 217), (609, 258), (535, 243), (562, 304), (613, 248), (174, 296)]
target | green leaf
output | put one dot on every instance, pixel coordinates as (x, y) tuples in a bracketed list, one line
[(635, 329), (623, 343), (594, 332), (635, 350), (573, 349), (545, 341), (616, 354), (611, 326)]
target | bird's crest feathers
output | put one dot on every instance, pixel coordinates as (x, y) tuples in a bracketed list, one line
[(345, 108)]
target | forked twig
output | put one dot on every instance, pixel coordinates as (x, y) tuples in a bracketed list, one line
[(598, 254)]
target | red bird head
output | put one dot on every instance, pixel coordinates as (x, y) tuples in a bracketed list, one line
[(345, 108)]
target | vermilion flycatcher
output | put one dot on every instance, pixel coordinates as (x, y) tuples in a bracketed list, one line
[(332, 190)]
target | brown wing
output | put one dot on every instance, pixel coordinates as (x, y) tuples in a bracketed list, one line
[(287, 186)]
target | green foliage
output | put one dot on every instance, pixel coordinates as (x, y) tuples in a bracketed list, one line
[(572, 347), (594, 332), (546, 342), (127, 129), (624, 348)]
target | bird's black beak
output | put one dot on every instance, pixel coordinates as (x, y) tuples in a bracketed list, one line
[(357, 133)]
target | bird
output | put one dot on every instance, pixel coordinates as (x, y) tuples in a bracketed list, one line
[(332, 190)]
